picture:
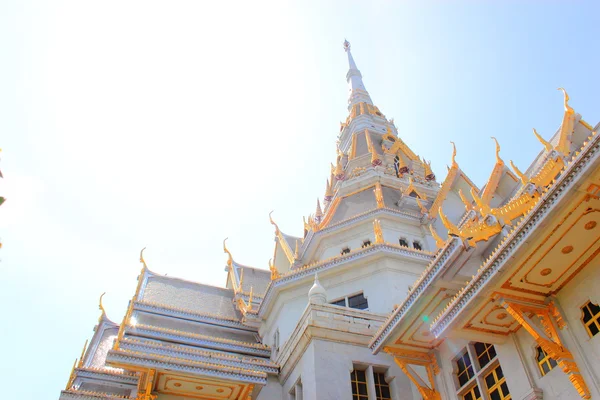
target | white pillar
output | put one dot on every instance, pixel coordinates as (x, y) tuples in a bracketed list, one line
[(370, 383)]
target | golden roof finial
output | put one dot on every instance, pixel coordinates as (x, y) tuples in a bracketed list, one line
[(522, 176), (230, 259), (546, 144), (498, 159), (100, 306), (454, 164), (273, 222), (319, 212), (438, 240), (378, 231), (142, 259), (452, 229), (568, 108)]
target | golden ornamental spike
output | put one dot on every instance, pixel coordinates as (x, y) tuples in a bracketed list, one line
[(273, 222), (379, 195), (568, 108), (100, 306), (522, 176), (484, 208), (546, 144), (82, 354), (498, 159), (378, 231), (454, 164), (142, 259), (225, 250), (466, 202), (438, 240), (452, 229)]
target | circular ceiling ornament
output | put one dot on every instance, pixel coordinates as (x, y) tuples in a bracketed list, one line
[(502, 316), (567, 249), (590, 225), (546, 271)]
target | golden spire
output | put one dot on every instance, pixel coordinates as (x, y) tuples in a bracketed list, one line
[(339, 171), (274, 272), (524, 178), (546, 144), (378, 231), (498, 159), (438, 240), (454, 164), (230, 259), (466, 202), (379, 195), (328, 191), (452, 229), (319, 212)]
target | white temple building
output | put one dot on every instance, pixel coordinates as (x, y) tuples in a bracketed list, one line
[(401, 287)]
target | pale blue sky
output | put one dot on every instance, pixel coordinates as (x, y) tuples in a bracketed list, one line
[(175, 124)]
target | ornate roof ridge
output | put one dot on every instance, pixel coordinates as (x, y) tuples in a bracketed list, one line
[(115, 371), (99, 395), (181, 361), (484, 271), (258, 346), (187, 311), (212, 354)]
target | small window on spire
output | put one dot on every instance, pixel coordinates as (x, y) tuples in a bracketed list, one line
[(417, 245), (345, 250), (366, 243), (403, 242)]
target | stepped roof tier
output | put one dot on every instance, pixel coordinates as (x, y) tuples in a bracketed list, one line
[(477, 263)]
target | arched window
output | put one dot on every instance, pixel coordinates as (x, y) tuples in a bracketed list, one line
[(545, 362), (366, 243), (345, 250), (403, 242), (417, 245), (591, 318)]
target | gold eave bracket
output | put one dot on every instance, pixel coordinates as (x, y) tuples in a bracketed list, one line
[(548, 338), (406, 358)]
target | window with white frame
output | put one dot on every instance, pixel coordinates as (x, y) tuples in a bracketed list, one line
[(358, 301), (477, 370)]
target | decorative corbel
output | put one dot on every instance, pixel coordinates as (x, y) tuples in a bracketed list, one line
[(548, 338), (145, 385), (405, 358)]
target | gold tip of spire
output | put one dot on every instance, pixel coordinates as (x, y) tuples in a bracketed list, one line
[(142, 258), (498, 159)]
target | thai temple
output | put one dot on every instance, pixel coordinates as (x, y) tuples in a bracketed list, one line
[(402, 286)]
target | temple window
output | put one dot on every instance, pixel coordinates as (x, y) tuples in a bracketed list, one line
[(345, 250), (382, 388), (403, 242), (417, 245), (397, 165), (276, 343), (472, 394), (545, 362), (464, 368), (485, 353), (364, 377), (496, 385), (357, 301), (477, 365), (413, 194), (366, 243), (591, 318), (296, 393), (358, 379)]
